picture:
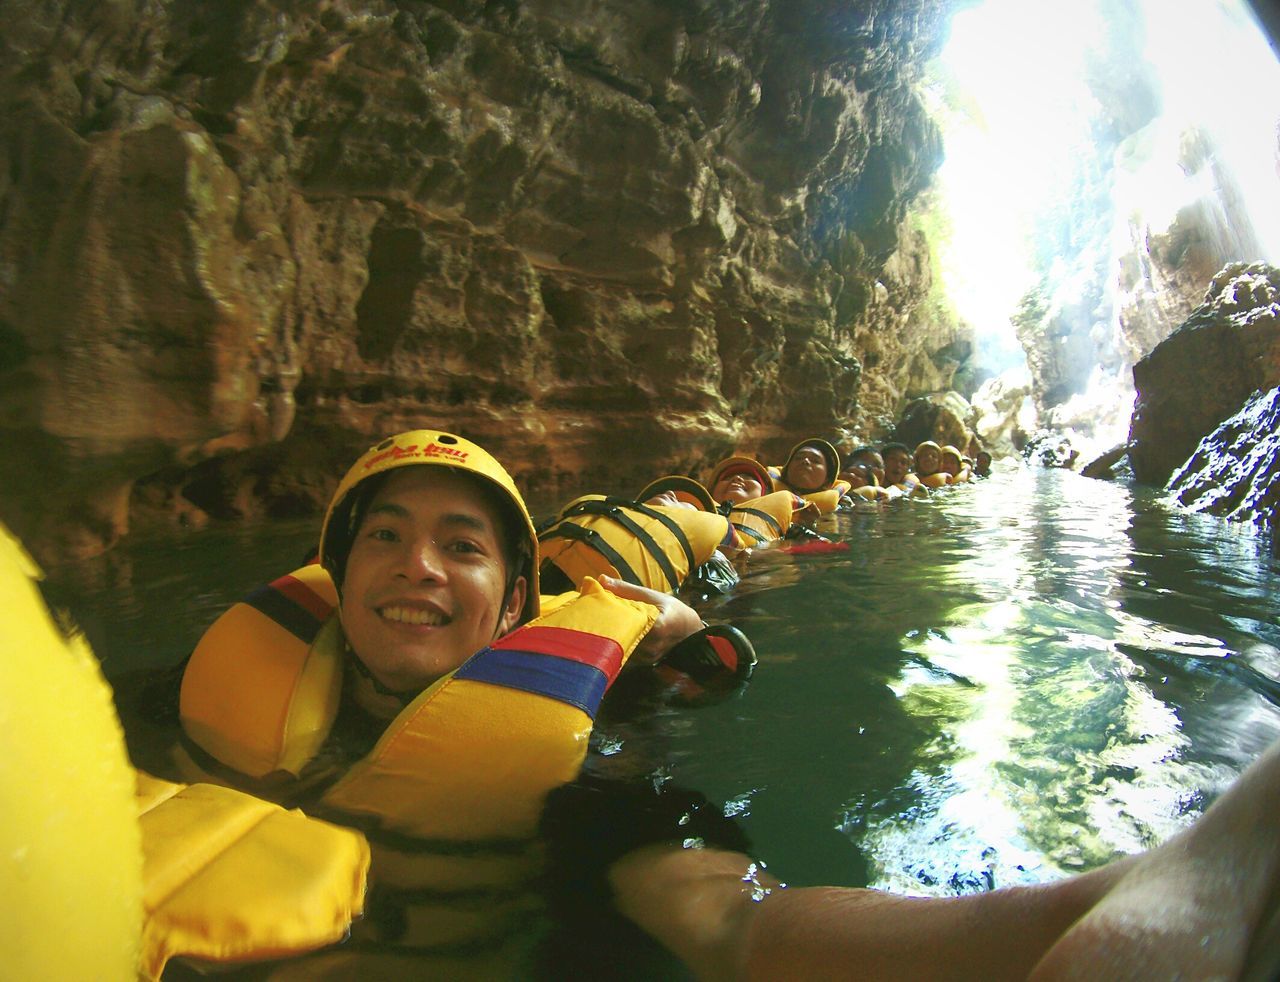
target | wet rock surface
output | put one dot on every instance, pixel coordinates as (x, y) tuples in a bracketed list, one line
[(1005, 416), (1048, 448), (240, 241), (1235, 471), (1205, 371), (946, 418)]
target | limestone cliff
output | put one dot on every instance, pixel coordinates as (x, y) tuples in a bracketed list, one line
[(1206, 371), (239, 240)]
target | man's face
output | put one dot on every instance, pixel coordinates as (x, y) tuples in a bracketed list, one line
[(949, 464), (926, 461), (808, 468), (858, 476), (425, 579), (875, 462), (737, 487), (896, 465)]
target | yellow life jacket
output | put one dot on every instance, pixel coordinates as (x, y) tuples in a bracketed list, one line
[(655, 546), (229, 877), (450, 796), (826, 500), (137, 869), (469, 757), (764, 519), (262, 688)]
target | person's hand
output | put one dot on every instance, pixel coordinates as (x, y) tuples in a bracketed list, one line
[(676, 619)]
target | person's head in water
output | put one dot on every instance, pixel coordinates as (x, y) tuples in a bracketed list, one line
[(677, 491), (949, 461), (434, 556), (859, 475), (982, 464), (897, 462), (928, 458), (811, 466), (869, 456), (738, 479)]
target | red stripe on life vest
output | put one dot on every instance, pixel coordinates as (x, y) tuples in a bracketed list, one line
[(303, 596), (589, 649)]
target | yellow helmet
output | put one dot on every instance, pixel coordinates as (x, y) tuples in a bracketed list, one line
[(433, 448), (829, 455), (740, 462), (685, 489)]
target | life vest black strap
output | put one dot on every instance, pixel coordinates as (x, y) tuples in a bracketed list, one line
[(670, 525), (616, 509), (772, 522), (594, 540), (760, 537)]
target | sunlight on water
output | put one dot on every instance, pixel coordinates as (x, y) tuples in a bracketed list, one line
[(1006, 682), (1012, 681)]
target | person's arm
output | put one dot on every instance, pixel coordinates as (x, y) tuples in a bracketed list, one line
[(727, 919), (1206, 904), (676, 619)]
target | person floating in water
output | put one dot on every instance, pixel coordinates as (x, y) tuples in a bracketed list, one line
[(740, 486), (661, 539), (897, 470), (954, 465), (868, 456), (812, 471), (438, 643), (928, 465), (417, 686)]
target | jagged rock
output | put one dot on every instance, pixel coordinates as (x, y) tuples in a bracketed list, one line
[(1203, 372), (1051, 449), (907, 348), (1235, 471), (1005, 413), (1109, 464), (944, 417), (561, 228), (1164, 268)]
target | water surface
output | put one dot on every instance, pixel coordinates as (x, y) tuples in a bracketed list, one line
[(1008, 681)]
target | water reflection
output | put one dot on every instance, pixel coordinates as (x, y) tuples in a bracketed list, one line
[(1009, 681), (1002, 684)]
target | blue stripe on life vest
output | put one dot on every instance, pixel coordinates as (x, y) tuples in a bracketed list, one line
[(568, 681), (289, 614)]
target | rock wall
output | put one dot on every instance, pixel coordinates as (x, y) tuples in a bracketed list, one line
[(1205, 371), (239, 241), (1235, 470)]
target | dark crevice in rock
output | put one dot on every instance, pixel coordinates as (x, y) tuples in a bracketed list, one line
[(396, 268)]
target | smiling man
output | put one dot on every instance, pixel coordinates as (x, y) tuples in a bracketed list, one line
[(432, 576), (897, 467), (737, 479), (415, 685), (427, 586)]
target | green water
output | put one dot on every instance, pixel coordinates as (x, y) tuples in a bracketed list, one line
[(1011, 680), (1008, 681)]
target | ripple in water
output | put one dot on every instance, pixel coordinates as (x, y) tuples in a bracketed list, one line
[(1008, 681)]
